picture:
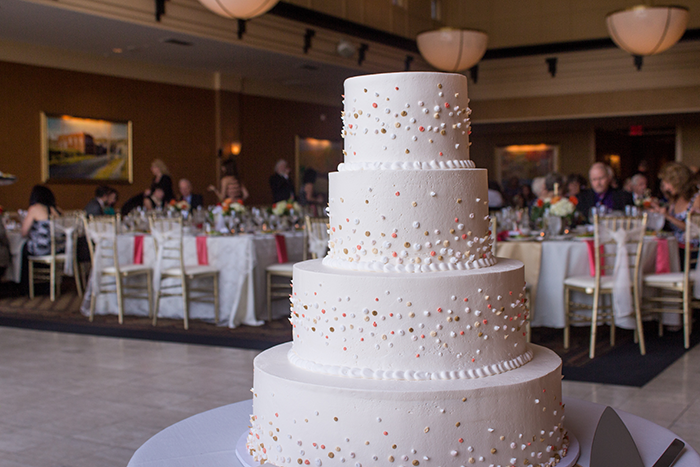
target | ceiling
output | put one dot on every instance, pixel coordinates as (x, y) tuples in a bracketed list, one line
[(58, 28)]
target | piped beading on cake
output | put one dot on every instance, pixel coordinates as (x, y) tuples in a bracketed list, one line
[(456, 325), (406, 117)]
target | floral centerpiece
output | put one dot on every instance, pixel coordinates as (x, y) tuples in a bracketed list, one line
[(556, 206), (179, 206), (229, 207), (285, 208)]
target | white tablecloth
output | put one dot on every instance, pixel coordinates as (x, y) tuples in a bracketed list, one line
[(562, 259), (209, 439), (14, 272), (241, 261)]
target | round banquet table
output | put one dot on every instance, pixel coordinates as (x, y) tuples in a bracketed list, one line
[(209, 439)]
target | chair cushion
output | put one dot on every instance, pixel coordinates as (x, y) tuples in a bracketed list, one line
[(190, 270), (606, 282), (127, 268), (281, 268), (667, 278)]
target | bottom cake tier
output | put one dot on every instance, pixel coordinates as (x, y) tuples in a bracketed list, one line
[(303, 418)]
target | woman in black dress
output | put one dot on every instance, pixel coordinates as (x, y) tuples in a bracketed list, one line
[(162, 180)]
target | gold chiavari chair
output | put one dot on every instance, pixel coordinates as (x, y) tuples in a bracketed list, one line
[(52, 267), (315, 246), (676, 288), (168, 235), (107, 275), (603, 281)]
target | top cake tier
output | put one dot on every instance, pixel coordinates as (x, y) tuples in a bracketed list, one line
[(417, 117)]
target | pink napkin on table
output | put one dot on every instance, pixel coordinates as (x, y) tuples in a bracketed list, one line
[(138, 249), (663, 262), (281, 244), (590, 245), (202, 252)]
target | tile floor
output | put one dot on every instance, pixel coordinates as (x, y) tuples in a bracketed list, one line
[(84, 401)]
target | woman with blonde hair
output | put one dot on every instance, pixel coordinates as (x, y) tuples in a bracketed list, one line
[(162, 180), (680, 186)]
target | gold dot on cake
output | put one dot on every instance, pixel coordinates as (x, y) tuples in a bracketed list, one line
[(409, 304), (416, 462), (367, 234), (366, 201), (403, 113), (407, 244), (458, 424), (493, 451), (331, 455), (471, 460), (355, 115), (332, 329), (440, 258), (439, 85), (337, 448), (446, 243), (407, 151), (452, 231), (366, 443), (365, 89), (299, 461), (436, 115), (502, 438), (456, 318), (414, 204), (345, 250), (375, 251), (393, 446), (374, 313), (443, 132), (391, 458), (397, 125), (383, 130), (410, 329), (427, 429)]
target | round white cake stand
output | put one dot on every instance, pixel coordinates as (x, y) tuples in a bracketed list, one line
[(209, 439), (247, 460)]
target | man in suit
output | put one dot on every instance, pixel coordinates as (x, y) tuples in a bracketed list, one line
[(185, 188), (280, 184), (96, 205), (601, 193)]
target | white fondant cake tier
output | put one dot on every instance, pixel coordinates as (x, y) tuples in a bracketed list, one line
[(303, 418), (406, 117), (451, 325), (409, 220)]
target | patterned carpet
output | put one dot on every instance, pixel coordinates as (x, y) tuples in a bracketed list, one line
[(621, 364)]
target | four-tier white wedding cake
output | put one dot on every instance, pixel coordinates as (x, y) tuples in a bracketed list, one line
[(409, 336)]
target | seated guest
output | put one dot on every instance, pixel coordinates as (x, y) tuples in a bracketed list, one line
[(195, 201), (281, 185), (574, 184), (112, 199), (638, 188), (601, 193), (155, 201), (96, 205), (36, 227), (308, 197), (680, 187), (5, 257), (132, 203)]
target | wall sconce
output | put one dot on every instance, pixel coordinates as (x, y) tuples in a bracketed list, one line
[(452, 49), (236, 148), (241, 9)]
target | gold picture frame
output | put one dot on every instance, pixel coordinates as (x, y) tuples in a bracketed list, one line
[(320, 155), (86, 150)]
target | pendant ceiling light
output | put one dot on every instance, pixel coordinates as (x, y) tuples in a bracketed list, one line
[(239, 9), (452, 49), (647, 30)]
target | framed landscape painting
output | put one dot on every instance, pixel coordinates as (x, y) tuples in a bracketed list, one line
[(77, 149), (525, 162)]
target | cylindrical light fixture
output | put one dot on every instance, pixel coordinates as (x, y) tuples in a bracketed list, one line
[(239, 9), (647, 30), (450, 49)]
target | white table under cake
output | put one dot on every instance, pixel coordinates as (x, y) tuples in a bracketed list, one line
[(209, 439)]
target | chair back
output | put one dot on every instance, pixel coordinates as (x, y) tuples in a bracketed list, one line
[(167, 234), (101, 234), (690, 254), (65, 230), (609, 231), (316, 244)]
